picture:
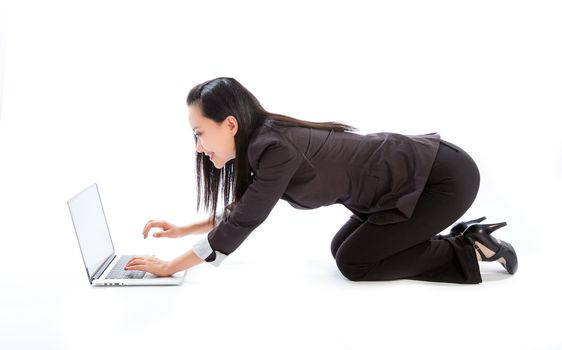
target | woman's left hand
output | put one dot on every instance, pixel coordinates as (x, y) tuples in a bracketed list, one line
[(150, 264)]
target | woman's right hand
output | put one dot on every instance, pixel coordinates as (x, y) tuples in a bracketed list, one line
[(169, 230)]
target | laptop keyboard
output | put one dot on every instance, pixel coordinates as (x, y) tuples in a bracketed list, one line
[(118, 271)]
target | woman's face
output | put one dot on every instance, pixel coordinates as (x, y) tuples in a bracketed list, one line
[(216, 140)]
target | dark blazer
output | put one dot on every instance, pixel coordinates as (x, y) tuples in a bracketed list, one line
[(379, 174)]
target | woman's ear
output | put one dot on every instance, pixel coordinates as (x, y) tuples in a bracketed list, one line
[(232, 124)]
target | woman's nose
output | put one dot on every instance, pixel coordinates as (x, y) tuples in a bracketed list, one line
[(198, 146)]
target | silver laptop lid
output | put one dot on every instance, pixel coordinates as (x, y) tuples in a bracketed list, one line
[(92, 231)]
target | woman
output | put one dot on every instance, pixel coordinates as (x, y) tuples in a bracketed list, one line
[(402, 191)]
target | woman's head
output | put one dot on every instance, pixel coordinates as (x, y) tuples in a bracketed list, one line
[(224, 115)]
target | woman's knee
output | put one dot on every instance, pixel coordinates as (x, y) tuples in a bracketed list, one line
[(353, 271), (349, 273), (351, 225), (362, 272)]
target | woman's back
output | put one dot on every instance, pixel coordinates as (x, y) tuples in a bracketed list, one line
[(367, 173)]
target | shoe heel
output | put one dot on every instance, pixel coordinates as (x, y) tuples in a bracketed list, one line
[(484, 228), (460, 227)]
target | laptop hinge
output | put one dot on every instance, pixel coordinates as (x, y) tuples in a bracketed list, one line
[(103, 266)]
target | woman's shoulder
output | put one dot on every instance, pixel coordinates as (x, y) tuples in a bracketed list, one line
[(266, 135), (274, 139), (262, 136)]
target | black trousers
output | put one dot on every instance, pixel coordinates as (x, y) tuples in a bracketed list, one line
[(413, 249)]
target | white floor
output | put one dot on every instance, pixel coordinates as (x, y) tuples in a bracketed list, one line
[(281, 289)]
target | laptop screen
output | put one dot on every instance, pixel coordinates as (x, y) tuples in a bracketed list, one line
[(91, 229)]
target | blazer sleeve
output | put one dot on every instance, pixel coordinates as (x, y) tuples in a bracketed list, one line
[(277, 162)]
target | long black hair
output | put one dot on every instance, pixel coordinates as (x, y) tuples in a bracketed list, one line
[(217, 99)]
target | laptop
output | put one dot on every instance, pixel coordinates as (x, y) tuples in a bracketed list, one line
[(103, 266)]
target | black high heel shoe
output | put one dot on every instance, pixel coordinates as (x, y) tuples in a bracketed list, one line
[(482, 233), (460, 227)]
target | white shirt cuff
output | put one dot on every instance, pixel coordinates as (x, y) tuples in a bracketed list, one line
[(203, 250)]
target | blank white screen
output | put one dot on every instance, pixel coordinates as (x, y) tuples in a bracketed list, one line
[(91, 228)]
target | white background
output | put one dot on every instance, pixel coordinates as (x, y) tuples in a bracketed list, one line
[(95, 92)]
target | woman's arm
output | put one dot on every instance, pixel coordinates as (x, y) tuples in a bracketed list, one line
[(173, 231), (190, 259), (161, 267), (167, 268), (199, 227), (276, 165), (184, 261)]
